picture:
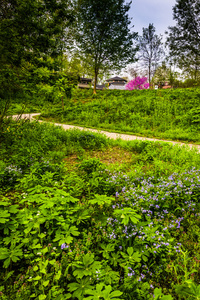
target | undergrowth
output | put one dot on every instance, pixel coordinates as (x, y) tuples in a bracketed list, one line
[(86, 217)]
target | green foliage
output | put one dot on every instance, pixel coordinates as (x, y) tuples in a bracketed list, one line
[(103, 292), (163, 114), (158, 295), (90, 165), (189, 290), (92, 230), (32, 41), (183, 38), (117, 49), (127, 214)]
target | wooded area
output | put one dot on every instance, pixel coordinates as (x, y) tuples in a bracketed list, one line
[(40, 41)]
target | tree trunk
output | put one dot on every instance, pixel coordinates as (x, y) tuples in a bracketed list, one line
[(149, 76), (95, 83)]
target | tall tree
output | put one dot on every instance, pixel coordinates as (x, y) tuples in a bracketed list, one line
[(103, 36), (150, 50), (31, 31), (184, 38)]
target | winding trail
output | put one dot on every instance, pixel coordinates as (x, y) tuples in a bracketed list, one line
[(111, 135)]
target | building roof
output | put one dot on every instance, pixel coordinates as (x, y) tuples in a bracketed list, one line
[(117, 83), (85, 79), (116, 78)]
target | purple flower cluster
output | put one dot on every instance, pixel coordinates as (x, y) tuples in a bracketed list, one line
[(161, 203)]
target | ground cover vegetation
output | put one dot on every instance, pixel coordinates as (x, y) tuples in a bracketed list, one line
[(85, 217), (167, 114)]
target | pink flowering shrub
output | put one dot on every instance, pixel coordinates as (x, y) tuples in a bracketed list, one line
[(139, 83)]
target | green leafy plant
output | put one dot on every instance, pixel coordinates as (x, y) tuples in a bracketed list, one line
[(103, 292), (188, 290), (87, 229), (127, 215), (160, 296)]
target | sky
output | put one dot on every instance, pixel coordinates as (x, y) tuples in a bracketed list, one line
[(158, 12)]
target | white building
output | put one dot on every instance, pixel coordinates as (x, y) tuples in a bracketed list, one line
[(116, 83)]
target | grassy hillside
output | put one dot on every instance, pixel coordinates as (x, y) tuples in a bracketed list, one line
[(165, 114)]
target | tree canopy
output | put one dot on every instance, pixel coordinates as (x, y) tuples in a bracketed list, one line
[(150, 50), (31, 28), (31, 32), (103, 36), (184, 38)]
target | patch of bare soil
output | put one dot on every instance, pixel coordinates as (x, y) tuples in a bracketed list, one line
[(110, 156)]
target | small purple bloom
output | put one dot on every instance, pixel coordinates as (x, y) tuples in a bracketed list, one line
[(63, 246)]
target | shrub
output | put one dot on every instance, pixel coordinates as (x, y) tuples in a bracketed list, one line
[(137, 84)]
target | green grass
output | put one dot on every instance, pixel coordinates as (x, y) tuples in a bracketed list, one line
[(171, 114)]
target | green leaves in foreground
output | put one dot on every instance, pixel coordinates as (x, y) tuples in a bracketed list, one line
[(10, 255), (158, 295), (128, 215), (103, 292), (86, 267), (189, 290), (79, 288)]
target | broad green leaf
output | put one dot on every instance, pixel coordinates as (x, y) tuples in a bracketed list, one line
[(35, 268), (167, 297), (115, 294), (4, 216), (130, 251), (33, 296), (42, 297), (58, 275), (68, 296), (6, 263), (14, 209), (68, 240), (157, 292), (37, 278), (41, 235), (4, 253), (52, 262), (73, 286), (46, 282), (9, 274)]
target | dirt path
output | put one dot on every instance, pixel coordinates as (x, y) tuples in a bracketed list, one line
[(112, 135)]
